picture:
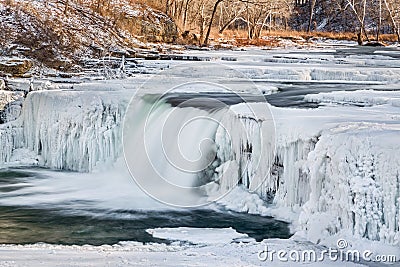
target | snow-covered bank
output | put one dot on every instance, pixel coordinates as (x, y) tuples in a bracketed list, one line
[(136, 254), (201, 236)]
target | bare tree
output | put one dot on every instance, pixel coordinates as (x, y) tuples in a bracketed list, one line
[(230, 11), (360, 14), (392, 7), (379, 24), (203, 16), (217, 2), (257, 15), (312, 9)]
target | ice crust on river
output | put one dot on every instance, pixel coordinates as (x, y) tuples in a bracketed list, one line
[(335, 172)]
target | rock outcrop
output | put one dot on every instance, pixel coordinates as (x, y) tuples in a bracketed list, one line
[(14, 67)]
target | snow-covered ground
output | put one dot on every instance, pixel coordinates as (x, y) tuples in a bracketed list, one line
[(208, 247), (334, 174)]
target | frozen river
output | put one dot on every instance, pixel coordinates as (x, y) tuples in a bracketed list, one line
[(270, 143)]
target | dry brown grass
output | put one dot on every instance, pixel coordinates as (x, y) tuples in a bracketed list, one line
[(240, 37), (388, 38), (286, 34)]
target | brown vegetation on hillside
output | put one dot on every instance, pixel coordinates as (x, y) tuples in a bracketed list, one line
[(58, 33), (371, 19)]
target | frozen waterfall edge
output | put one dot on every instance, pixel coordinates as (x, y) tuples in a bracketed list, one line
[(335, 177)]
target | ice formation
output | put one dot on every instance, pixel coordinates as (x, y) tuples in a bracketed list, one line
[(10, 139), (69, 130), (7, 97), (10, 105), (338, 74), (265, 162), (336, 178), (354, 181), (361, 97), (344, 178)]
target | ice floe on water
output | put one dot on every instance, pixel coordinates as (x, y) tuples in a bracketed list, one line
[(199, 236)]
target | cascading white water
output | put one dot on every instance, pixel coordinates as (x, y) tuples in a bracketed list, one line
[(168, 148), (187, 156)]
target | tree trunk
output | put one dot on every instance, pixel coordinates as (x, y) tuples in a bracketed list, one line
[(249, 35), (311, 15), (66, 7), (227, 25), (264, 23), (378, 30), (185, 14), (202, 18), (359, 38), (363, 19), (211, 22), (167, 8)]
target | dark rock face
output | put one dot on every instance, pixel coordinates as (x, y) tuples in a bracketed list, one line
[(160, 29), (374, 44)]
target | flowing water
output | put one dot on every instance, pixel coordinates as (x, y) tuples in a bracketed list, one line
[(32, 216)]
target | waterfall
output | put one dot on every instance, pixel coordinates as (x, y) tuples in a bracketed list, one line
[(187, 156), (168, 149)]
